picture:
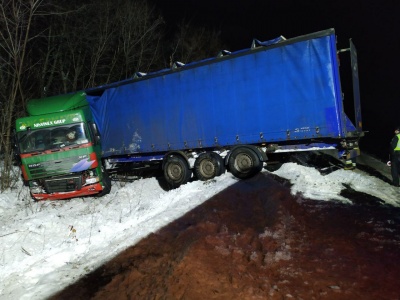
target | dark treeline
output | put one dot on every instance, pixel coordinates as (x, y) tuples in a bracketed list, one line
[(52, 47)]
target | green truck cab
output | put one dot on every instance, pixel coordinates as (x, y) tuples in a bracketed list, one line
[(59, 149)]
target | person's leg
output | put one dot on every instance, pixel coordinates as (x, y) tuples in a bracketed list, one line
[(395, 169), (398, 168)]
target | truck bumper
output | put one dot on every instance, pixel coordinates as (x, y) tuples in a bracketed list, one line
[(84, 191)]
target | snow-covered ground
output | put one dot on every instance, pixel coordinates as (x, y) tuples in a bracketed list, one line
[(45, 246)]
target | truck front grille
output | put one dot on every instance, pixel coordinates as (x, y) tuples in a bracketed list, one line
[(63, 184)]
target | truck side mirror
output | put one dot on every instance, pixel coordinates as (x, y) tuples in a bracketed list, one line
[(95, 131)]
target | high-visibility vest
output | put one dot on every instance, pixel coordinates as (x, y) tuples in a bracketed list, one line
[(398, 143)]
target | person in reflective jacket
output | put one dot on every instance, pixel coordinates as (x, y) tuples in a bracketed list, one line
[(395, 156)]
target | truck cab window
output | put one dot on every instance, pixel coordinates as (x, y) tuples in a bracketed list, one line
[(50, 138), (67, 135)]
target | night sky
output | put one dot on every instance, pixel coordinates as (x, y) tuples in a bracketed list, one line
[(374, 27)]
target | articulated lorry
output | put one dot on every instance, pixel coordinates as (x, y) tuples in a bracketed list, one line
[(195, 120)]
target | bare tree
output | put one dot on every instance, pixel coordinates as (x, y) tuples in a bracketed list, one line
[(16, 17), (193, 43), (140, 37), (99, 42)]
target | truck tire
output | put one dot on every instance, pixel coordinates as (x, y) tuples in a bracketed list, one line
[(221, 165), (106, 181), (244, 163), (176, 171), (207, 166)]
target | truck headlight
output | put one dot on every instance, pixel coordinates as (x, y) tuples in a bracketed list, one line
[(91, 180), (35, 187)]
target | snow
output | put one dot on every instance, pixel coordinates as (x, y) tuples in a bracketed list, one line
[(46, 246)]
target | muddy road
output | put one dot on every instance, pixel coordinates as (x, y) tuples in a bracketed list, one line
[(257, 241)]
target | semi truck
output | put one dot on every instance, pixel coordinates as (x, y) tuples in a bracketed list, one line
[(194, 120)]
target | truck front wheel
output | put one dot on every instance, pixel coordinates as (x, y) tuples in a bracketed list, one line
[(244, 163), (106, 182), (176, 171)]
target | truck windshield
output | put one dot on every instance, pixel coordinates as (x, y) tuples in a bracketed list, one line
[(51, 138)]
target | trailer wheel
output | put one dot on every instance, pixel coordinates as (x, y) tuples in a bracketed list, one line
[(221, 166), (244, 163), (206, 166), (176, 171)]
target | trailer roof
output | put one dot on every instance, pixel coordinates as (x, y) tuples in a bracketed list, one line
[(222, 55)]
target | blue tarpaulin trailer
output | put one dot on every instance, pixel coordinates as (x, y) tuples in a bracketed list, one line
[(285, 92), (238, 111)]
